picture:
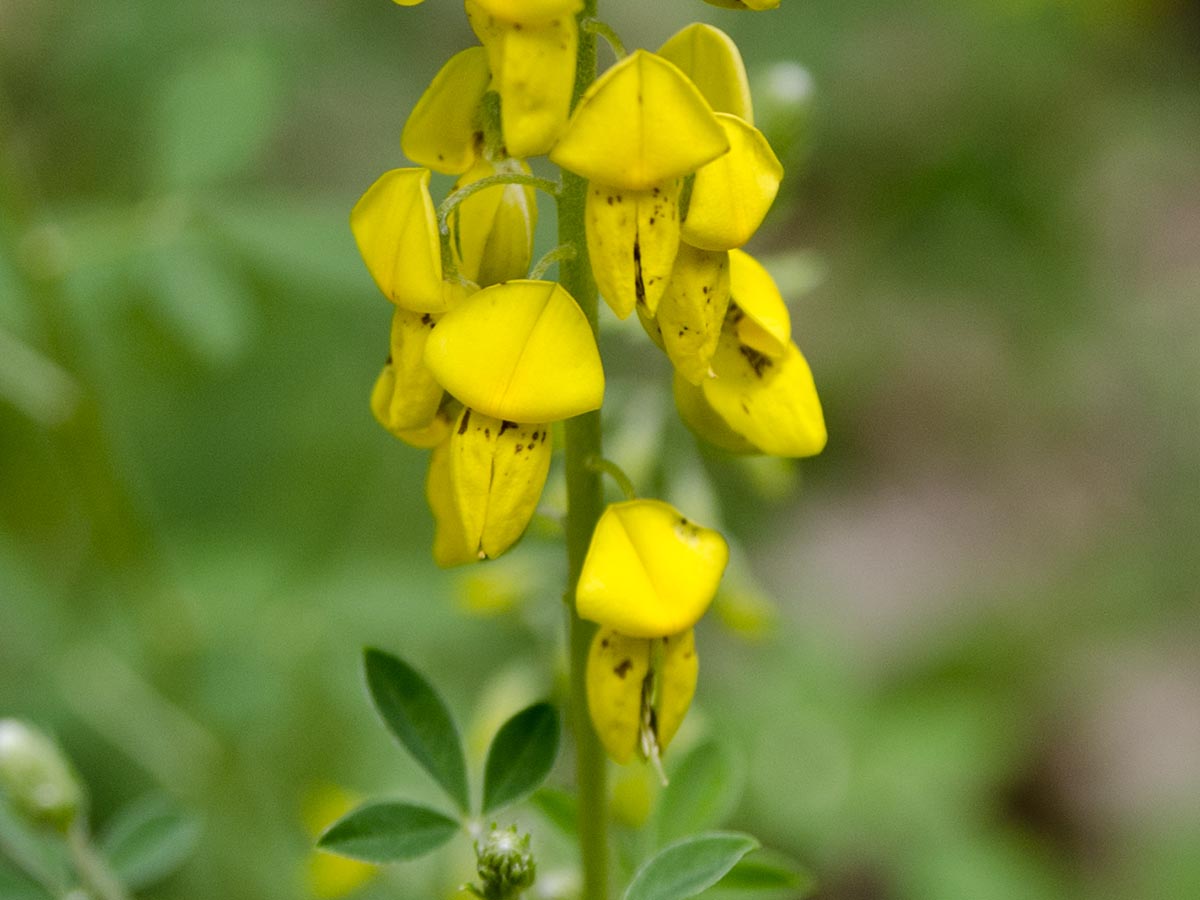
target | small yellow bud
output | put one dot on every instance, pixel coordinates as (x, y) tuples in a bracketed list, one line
[(632, 238), (692, 310), (639, 690), (493, 229), (761, 320), (406, 396), (649, 571), (521, 351), (395, 227), (710, 58), (731, 194), (639, 125), (443, 131), (497, 472)]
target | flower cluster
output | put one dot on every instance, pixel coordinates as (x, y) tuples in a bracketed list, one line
[(484, 358)]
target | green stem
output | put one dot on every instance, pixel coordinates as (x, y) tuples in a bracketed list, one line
[(558, 254), (604, 30), (616, 473), (93, 870), (585, 502)]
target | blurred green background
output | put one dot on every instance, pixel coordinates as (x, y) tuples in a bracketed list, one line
[(967, 664)]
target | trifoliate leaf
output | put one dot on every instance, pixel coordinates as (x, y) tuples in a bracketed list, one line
[(640, 124), (521, 351)]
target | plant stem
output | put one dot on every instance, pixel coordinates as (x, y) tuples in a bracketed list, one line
[(585, 501), (92, 868)]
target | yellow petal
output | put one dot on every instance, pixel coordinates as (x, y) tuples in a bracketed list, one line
[(438, 429), (772, 403), (761, 320), (396, 230), (406, 396), (745, 4), (710, 58), (497, 472), (522, 11), (731, 195), (450, 545), (535, 75), (632, 237), (703, 420), (492, 230), (640, 124), (616, 669), (443, 131), (649, 571), (521, 351), (693, 308), (680, 667)]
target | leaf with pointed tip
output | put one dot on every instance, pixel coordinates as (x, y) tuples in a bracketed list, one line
[(764, 872), (521, 755), (387, 832), (703, 790), (412, 711), (687, 867)]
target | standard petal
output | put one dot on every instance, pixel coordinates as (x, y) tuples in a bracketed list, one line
[(771, 402), (521, 351), (640, 124), (632, 239), (443, 131), (616, 669), (731, 195), (649, 571), (710, 58), (395, 227)]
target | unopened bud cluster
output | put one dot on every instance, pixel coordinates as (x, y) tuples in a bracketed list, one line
[(483, 360), (504, 864)]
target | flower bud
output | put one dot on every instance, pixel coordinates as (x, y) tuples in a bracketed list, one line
[(504, 863), (37, 777), (493, 229)]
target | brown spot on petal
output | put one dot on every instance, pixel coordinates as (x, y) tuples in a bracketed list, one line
[(623, 669), (462, 427)]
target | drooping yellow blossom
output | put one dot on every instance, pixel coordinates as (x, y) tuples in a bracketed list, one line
[(395, 227), (531, 51), (492, 230), (497, 471), (642, 123), (632, 238), (649, 572), (521, 351), (443, 131), (639, 690), (710, 58), (731, 195), (691, 312), (406, 395), (762, 323)]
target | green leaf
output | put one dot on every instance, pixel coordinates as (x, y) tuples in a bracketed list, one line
[(214, 116), (559, 808), (387, 832), (521, 755), (766, 873), (689, 866), (704, 789), (148, 840), (412, 710)]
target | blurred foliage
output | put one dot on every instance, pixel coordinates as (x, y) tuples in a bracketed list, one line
[(979, 676)]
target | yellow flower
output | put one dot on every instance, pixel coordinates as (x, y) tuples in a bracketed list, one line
[(443, 131), (492, 230), (710, 58), (649, 572), (531, 51), (639, 690), (632, 239), (745, 4), (521, 351), (497, 471), (763, 323), (406, 395), (691, 312), (395, 227)]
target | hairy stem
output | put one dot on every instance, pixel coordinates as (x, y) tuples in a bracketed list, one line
[(585, 501)]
